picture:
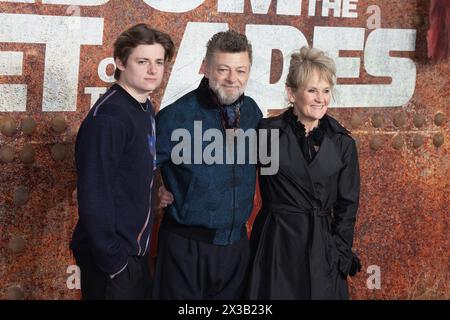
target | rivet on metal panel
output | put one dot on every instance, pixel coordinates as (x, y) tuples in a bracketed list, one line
[(14, 293), (418, 20), (419, 120), (397, 142), (16, 244), (59, 152), (73, 130), (377, 120), (400, 119), (417, 141), (21, 196), (28, 126), (375, 143), (439, 118), (6, 154), (355, 121), (27, 154), (8, 126), (59, 124), (438, 139)]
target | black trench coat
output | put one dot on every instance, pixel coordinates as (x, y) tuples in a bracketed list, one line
[(303, 235)]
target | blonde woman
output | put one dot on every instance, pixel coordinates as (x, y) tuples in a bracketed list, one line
[(302, 238)]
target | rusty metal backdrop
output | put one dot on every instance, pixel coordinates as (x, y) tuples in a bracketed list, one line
[(55, 60)]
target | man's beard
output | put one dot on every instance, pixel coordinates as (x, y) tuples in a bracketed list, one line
[(224, 99)]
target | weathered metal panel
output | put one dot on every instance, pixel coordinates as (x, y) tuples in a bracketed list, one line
[(402, 226)]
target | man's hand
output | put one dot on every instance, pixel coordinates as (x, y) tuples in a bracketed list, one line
[(165, 197)]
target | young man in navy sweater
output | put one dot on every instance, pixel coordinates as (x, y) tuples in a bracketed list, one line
[(115, 162)]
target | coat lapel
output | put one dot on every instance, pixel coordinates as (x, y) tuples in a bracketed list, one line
[(326, 162), (292, 162)]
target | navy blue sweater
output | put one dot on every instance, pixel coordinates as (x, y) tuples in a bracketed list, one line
[(115, 159)]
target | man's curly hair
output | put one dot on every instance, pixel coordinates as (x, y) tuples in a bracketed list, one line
[(228, 41)]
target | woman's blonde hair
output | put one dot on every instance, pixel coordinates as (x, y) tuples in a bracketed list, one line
[(305, 62)]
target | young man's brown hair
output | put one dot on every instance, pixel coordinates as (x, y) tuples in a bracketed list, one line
[(137, 35)]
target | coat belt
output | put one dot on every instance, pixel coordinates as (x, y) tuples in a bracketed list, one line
[(315, 211)]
